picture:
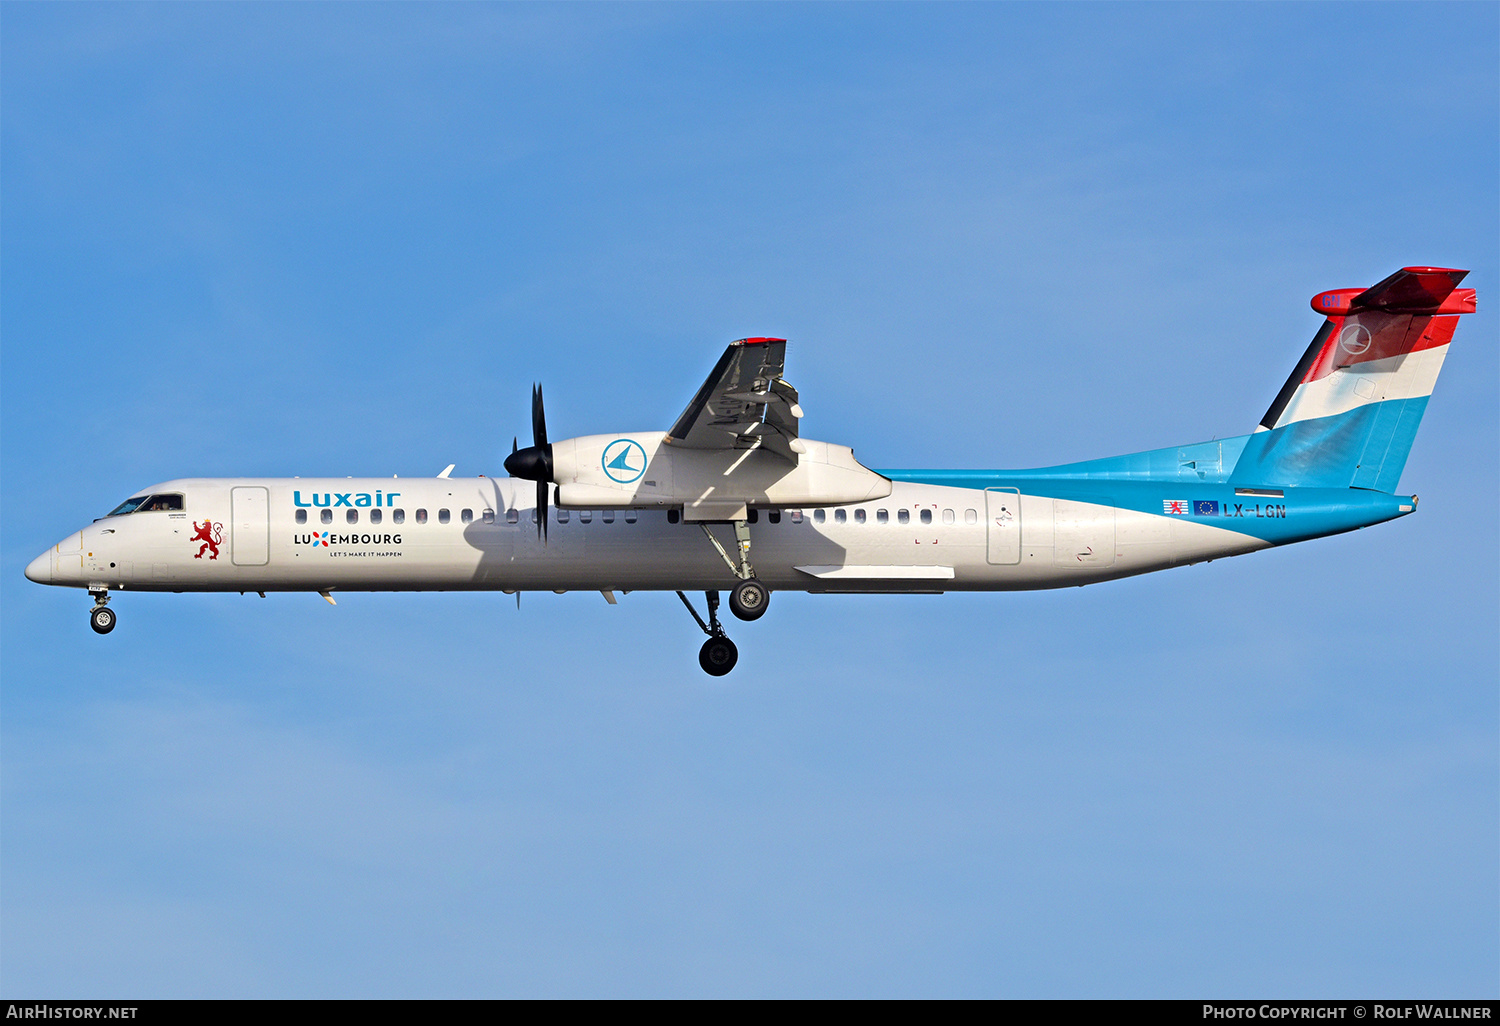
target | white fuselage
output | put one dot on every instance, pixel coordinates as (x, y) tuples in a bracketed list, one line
[(416, 534)]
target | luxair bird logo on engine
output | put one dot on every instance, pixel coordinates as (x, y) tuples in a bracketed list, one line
[(624, 460)]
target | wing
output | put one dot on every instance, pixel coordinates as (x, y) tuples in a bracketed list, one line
[(744, 404)]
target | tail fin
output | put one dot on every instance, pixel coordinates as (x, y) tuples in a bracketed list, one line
[(1347, 416)]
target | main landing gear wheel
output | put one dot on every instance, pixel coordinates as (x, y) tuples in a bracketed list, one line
[(718, 656), (749, 599), (102, 619)]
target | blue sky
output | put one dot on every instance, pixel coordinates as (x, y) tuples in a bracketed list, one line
[(345, 240)]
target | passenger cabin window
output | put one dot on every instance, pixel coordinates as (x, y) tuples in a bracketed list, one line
[(608, 516), (512, 516), (796, 516), (302, 516), (586, 516), (859, 516), (820, 515), (947, 516), (466, 517), (903, 516), (326, 516), (672, 516), (882, 517), (421, 516), (398, 516), (753, 516), (774, 516), (351, 517), (489, 516), (444, 516), (376, 516), (630, 516), (562, 515), (926, 516), (971, 517), (840, 516)]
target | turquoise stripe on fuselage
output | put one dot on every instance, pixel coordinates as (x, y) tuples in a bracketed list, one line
[(1199, 463), (1296, 515)]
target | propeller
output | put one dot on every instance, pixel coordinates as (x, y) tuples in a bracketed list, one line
[(534, 463)]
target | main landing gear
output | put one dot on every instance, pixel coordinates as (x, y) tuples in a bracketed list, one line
[(718, 654), (749, 598), (101, 617)]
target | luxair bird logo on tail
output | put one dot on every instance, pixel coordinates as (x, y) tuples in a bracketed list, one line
[(211, 535)]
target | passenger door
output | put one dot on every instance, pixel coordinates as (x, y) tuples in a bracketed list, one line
[(1003, 514)]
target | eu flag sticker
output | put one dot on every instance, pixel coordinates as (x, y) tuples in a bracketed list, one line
[(1205, 507)]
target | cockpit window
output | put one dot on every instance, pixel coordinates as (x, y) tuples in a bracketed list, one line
[(149, 504)]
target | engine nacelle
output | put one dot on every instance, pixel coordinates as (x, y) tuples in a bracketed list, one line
[(642, 470)]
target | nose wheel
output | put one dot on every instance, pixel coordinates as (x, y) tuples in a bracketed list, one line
[(101, 617), (718, 654)]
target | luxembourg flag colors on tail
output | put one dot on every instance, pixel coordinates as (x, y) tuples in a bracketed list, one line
[(1348, 414)]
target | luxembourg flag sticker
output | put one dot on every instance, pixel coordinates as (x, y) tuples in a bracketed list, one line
[(1174, 507)]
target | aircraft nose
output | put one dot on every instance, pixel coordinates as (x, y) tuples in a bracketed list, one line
[(40, 568)]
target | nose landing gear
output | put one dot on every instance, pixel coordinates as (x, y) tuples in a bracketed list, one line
[(718, 654), (101, 617)]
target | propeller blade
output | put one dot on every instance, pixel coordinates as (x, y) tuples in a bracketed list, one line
[(514, 444), (542, 487), (538, 418)]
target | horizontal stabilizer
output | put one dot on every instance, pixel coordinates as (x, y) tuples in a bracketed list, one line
[(1413, 288)]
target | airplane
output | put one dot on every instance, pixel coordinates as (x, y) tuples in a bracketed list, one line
[(732, 498)]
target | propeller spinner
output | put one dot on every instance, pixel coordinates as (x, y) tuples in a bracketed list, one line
[(534, 463)]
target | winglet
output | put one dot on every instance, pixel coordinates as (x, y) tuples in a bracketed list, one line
[(448, 470)]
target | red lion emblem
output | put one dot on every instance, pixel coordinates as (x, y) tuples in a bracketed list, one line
[(211, 535)]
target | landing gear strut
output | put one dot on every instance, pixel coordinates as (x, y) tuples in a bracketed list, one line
[(101, 618), (718, 654), (749, 598)]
